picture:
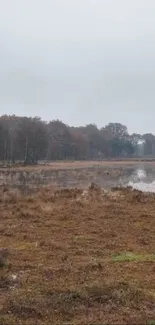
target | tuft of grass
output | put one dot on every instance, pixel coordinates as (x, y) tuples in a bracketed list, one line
[(119, 294), (3, 257), (151, 322), (131, 257)]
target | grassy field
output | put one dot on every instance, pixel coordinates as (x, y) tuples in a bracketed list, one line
[(63, 165), (77, 257)]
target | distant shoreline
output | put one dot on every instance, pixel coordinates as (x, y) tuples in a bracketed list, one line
[(58, 165)]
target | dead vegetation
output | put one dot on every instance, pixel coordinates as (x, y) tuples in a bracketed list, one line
[(77, 257)]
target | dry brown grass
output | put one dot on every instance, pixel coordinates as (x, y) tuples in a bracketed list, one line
[(63, 165), (77, 257)]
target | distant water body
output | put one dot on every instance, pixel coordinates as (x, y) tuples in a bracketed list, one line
[(140, 181)]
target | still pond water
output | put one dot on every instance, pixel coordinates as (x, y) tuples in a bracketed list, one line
[(143, 179)]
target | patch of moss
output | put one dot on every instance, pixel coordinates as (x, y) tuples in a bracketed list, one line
[(129, 257)]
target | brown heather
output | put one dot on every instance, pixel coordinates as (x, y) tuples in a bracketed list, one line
[(77, 257)]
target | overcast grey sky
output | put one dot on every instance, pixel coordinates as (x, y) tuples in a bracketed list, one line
[(81, 61)]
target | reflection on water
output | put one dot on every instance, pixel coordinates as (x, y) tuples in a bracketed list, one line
[(141, 177), (142, 180), (142, 186), (141, 174)]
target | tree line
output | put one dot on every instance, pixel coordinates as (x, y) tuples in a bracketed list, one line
[(31, 139)]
